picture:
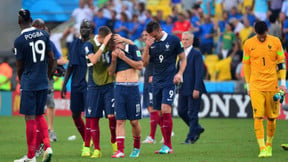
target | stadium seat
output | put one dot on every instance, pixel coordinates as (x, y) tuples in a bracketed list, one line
[(210, 62)]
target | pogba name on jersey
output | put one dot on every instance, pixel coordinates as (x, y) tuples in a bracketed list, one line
[(33, 35)]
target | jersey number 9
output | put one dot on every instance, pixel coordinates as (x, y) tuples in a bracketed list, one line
[(36, 48)]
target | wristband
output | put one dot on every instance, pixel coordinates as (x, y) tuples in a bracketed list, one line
[(102, 47), (283, 82)]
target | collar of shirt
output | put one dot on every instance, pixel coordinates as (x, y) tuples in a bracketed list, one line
[(28, 29), (96, 41), (187, 50), (164, 36)]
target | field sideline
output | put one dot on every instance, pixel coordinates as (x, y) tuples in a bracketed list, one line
[(223, 140)]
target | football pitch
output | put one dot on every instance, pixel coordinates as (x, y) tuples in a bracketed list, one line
[(223, 140)]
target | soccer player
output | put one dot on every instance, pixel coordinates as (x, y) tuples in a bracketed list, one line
[(99, 91), (263, 59), (148, 99), (77, 69), (125, 62), (34, 58), (40, 24), (162, 51)]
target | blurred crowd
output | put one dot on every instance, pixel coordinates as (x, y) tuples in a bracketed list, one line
[(220, 27)]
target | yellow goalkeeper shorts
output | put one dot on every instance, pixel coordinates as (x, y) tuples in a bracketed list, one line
[(263, 104)]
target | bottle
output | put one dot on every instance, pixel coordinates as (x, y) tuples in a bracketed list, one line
[(279, 96)]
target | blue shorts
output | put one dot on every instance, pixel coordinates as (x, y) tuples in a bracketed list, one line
[(147, 95), (77, 101), (33, 102), (99, 99), (127, 101), (163, 95)]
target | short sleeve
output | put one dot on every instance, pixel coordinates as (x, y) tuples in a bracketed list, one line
[(136, 54), (57, 54), (18, 50), (246, 53), (280, 52), (88, 48), (179, 48)]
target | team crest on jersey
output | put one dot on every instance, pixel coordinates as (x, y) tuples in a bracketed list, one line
[(167, 46)]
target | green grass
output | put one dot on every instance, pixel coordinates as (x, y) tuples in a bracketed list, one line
[(223, 140)]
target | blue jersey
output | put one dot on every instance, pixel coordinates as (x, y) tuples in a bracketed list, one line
[(132, 52), (57, 54), (89, 48), (163, 55), (31, 47), (78, 63)]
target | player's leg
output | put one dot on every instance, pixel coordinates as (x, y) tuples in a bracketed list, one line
[(42, 124), (166, 109), (50, 111), (77, 104), (121, 116), (109, 103), (271, 109), (136, 132), (134, 115), (28, 108), (154, 115), (258, 102)]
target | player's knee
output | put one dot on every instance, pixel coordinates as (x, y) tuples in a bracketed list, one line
[(110, 115), (30, 117), (271, 119), (134, 123), (120, 123)]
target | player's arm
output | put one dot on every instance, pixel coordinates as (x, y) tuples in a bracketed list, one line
[(112, 67), (281, 66), (183, 60), (149, 41), (95, 57), (117, 38), (19, 68), (246, 64), (51, 64), (66, 79), (136, 62), (199, 66)]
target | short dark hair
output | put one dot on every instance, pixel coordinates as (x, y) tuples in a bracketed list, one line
[(103, 31), (260, 27), (152, 26), (25, 16)]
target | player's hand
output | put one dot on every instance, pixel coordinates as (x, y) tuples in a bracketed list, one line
[(63, 92), (149, 41), (114, 55), (284, 88), (177, 79), (121, 54), (150, 79), (196, 94), (107, 38)]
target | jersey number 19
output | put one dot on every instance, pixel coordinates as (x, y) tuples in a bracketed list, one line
[(36, 48)]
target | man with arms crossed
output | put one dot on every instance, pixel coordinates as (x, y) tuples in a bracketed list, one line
[(162, 51), (34, 58), (263, 59)]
